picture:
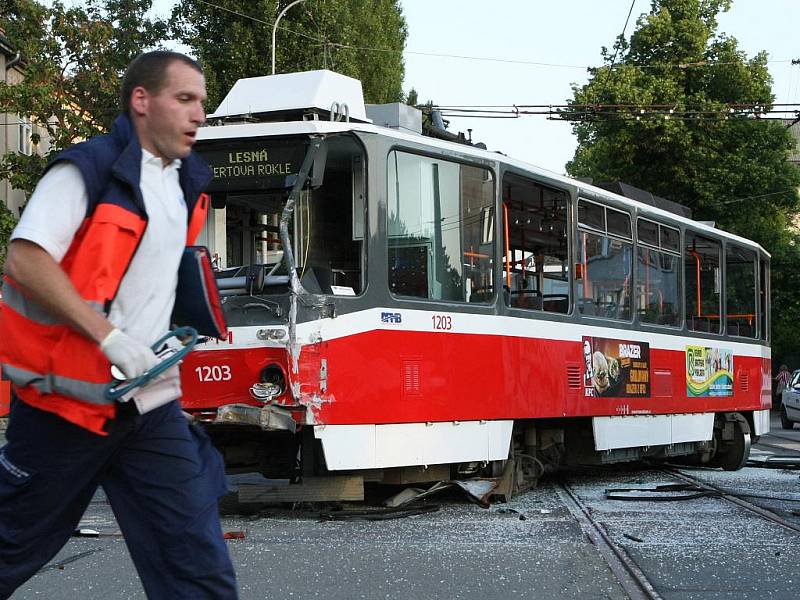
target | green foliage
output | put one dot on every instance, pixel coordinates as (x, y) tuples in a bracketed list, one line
[(313, 35), (727, 168), (7, 223), (73, 60)]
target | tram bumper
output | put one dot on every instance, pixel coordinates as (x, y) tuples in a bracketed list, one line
[(268, 417)]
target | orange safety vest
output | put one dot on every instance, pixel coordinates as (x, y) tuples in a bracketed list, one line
[(51, 366)]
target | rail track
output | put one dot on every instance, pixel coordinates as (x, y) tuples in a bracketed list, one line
[(631, 577), (761, 444), (762, 512), (772, 434)]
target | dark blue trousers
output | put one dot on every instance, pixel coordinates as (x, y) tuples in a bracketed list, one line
[(162, 477)]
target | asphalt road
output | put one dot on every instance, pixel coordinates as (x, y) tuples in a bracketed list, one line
[(460, 552), (699, 549)]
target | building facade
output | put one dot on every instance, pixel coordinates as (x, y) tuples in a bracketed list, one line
[(15, 132), (794, 127)]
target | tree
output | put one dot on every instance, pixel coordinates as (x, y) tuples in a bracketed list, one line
[(232, 39), (73, 60), (659, 118), (7, 223)]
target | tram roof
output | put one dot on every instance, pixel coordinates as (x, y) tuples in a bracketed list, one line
[(246, 130)]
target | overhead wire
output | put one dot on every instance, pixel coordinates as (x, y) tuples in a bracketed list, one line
[(616, 50), (597, 112), (257, 20), (480, 58), (552, 111), (784, 191)]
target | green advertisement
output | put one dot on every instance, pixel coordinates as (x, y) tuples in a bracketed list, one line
[(709, 371)]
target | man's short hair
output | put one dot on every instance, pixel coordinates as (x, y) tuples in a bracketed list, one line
[(149, 70)]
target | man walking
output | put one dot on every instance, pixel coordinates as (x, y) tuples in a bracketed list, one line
[(91, 275), (781, 383)]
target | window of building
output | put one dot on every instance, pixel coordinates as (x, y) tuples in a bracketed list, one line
[(701, 264), (740, 291), (25, 145), (658, 281), (536, 263), (605, 261), (441, 229)]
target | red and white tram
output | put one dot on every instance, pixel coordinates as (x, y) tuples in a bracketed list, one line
[(410, 308)]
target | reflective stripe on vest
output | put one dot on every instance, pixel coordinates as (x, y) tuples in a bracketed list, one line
[(29, 309), (52, 366), (54, 384)]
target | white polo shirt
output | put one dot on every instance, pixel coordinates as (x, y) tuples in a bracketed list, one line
[(144, 302)]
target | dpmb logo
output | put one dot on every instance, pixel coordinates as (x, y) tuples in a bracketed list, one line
[(391, 317)]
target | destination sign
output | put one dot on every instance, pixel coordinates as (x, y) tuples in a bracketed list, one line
[(256, 165)]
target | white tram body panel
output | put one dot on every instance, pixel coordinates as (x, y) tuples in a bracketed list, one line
[(403, 301)]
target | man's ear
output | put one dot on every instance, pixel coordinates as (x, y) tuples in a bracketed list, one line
[(139, 100)]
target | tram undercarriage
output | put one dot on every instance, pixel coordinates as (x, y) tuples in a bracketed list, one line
[(538, 447)]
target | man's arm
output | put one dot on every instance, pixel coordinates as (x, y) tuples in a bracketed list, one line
[(38, 275), (42, 279), (39, 242)]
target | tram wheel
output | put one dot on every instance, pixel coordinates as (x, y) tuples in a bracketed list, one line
[(785, 422), (733, 454)]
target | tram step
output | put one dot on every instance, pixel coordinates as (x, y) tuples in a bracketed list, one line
[(311, 489)]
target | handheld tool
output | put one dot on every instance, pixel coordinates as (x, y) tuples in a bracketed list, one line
[(168, 357)]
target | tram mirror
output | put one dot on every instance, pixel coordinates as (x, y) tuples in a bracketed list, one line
[(318, 169)]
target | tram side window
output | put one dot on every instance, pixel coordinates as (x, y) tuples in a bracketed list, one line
[(329, 224), (605, 262), (441, 229), (658, 277), (702, 262), (740, 291), (536, 263)]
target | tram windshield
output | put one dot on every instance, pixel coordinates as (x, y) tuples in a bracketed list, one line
[(252, 182)]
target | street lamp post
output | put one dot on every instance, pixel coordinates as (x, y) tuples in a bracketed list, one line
[(275, 28)]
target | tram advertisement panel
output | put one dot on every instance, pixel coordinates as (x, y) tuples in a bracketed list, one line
[(616, 368), (709, 371)]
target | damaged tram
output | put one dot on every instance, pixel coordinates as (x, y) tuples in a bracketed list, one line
[(403, 308)]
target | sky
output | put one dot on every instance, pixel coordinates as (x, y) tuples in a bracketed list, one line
[(538, 31)]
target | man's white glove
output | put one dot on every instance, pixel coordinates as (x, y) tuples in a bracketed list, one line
[(130, 356)]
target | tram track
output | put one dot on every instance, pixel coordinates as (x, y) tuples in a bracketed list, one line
[(760, 444), (782, 437), (765, 513), (630, 577)]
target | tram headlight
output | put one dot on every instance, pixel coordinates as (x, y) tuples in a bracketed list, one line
[(271, 385)]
